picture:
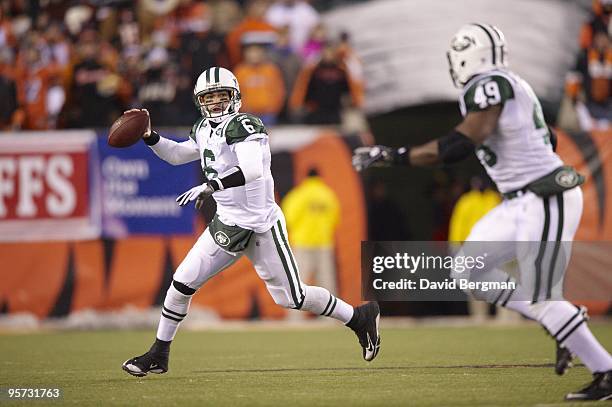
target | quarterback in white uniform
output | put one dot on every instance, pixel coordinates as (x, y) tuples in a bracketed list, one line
[(235, 157), (536, 222)]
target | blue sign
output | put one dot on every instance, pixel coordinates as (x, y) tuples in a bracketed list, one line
[(139, 190)]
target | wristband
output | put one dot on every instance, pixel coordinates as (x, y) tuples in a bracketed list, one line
[(152, 139)]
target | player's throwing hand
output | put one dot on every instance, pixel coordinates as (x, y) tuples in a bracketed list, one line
[(199, 194)]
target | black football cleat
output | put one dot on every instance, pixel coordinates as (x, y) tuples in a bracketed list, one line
[(599, 389), (364, 323), (154, 361), (564, 360)]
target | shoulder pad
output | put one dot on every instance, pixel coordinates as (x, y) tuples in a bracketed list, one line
[(195, 128), (242, 126), (487, 91)]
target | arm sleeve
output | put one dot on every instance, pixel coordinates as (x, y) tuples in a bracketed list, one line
[(250, 159), (176, 153)]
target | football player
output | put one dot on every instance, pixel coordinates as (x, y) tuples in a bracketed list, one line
[(503, 123), (234, 152)]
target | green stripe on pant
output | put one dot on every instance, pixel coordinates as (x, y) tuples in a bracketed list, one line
[(286, 268), (293, 264)]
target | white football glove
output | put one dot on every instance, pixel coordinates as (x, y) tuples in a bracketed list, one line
[(373, 156), (199, 194)]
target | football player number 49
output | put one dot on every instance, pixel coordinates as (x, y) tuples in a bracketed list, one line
[(487, 95)]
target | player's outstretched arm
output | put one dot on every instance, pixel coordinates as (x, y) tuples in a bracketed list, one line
[(169, 150), (457, 145)]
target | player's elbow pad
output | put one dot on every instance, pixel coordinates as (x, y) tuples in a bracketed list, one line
[(454, 147)]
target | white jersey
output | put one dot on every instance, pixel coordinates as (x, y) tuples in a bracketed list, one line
[(251, 206), (519, 151)]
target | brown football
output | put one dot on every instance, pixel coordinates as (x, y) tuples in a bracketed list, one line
[(128, 129)]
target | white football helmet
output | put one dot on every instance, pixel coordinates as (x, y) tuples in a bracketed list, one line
[(212, 80), (474, 49)]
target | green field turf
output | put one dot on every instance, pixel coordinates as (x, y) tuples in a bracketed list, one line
[(426, 366)]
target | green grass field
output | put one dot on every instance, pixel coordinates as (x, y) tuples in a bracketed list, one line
[(425, 366)]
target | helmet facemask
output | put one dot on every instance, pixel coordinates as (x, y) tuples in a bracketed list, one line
[(217, 108)]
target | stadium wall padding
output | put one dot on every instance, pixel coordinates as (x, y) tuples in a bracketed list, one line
[(51, 279)]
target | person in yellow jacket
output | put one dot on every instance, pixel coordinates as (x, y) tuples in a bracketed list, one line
[(470, 207), (312, 212)]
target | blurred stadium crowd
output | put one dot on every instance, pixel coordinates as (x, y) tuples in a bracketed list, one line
[(69, 64), (587, 104)]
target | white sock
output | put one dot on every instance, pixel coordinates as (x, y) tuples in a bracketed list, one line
[(319, 300), (174, 310), (584, 344), (567, 324)]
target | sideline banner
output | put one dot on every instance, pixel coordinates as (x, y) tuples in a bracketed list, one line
[(46, 188), (139, 192)]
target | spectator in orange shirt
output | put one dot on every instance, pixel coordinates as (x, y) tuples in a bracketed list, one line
[(262, 85), (34, 78), (593, 75), (252, 30), (595, 65)]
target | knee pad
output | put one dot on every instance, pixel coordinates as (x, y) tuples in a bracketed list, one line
[(560, 318), (282, 297)]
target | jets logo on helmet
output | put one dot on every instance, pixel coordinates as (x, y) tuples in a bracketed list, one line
[(475, 48), (213, 80), (461, 44)]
